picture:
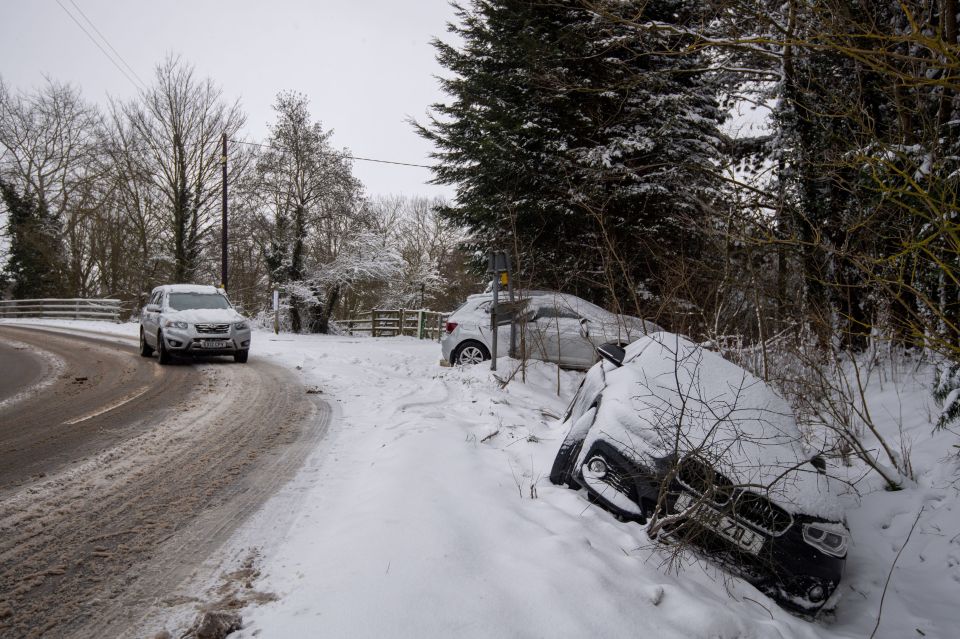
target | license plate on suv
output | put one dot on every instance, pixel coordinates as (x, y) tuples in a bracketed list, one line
[(719, 523), (213, 343)]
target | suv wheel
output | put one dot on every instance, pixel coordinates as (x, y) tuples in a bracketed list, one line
[(145, 349), (241, 356), (470, 352), (162, 353), (562, 472)]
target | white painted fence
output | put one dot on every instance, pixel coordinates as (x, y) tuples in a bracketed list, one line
[(73, 308)]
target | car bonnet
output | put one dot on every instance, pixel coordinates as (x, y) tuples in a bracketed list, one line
[(204, 315)]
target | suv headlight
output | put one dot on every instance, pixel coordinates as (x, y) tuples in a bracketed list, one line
[(827, 538), (172, 324), (241, 325)]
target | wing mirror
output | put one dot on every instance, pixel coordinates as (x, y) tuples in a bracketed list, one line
[(152, 308), (819, 463), (612, 353)]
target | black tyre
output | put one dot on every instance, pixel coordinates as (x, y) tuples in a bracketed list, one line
[(163, 355), (469, 352), (241, 356), (145, 349), (562, 473)]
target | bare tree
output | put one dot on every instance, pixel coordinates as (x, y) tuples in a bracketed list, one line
[(312, 200), (49, 142), (429, 247), (174, 131)]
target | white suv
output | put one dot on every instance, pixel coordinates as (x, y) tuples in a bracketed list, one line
[(555, 327), (189, 320)]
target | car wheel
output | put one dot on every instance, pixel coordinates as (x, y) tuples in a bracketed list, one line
[(145, 349), (470, 352), (241, 356), (562, 471), (162, 353)]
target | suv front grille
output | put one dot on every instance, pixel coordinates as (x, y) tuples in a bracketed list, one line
[(213, 328), (702, 479), (762, 513)]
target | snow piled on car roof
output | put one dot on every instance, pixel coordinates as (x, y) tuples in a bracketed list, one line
[(672, 396), (190, 288)]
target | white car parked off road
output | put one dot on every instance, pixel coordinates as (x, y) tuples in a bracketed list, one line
[(189, 320), (555, 327)]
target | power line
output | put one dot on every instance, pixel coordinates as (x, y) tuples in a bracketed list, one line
[(107, 42), (142, 85), (349, 157), (102, 50), (134, 150)]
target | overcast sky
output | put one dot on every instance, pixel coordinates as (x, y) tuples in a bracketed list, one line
[(366, 65)]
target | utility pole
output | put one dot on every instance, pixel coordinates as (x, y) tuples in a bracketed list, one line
[(223, 230)]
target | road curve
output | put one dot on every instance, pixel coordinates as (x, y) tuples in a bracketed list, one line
[(21, 371), (119, 477)]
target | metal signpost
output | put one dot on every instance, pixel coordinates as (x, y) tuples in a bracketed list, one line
[(498, 267)]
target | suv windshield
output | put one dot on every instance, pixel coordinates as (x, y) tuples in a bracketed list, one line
[(185, 301)]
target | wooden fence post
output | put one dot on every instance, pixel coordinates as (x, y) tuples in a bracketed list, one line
[(400, 326), (373, 323)]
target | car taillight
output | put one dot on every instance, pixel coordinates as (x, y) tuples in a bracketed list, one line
[(451, 326)]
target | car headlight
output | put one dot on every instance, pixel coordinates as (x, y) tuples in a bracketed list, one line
[(172, 324), (241, 325), (830, 539)]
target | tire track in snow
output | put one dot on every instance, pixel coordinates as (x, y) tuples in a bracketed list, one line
[(94, 547)]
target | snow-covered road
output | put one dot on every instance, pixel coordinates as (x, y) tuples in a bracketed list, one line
[(119, 478)]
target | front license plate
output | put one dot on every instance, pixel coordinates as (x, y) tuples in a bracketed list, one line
[(721, 524), (213, 343)]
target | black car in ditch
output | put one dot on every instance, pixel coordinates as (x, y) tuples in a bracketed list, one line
[(671, 435)]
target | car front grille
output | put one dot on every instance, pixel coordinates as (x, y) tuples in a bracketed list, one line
[(696, 475), (208, 329), (700, 478), (762, 513)]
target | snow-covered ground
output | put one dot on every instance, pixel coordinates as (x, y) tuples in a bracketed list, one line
[(427, 512)]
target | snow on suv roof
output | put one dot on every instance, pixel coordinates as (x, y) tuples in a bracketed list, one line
[(188, 288)]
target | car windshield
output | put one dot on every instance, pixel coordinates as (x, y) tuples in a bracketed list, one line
[(185, 301)]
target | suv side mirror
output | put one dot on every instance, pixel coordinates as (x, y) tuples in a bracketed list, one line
[(612, 353), (152, 308)]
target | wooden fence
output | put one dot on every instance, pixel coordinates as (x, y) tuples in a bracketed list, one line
[(392, 322), (74, 308)]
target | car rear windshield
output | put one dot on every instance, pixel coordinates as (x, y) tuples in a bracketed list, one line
[(185, 301)]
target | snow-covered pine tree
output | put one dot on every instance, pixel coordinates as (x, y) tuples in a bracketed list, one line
[(578, 134)]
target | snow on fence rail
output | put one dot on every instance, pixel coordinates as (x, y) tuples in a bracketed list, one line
[(418, 323), (73, 308)]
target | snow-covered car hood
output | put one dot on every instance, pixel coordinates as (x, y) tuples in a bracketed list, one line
[(672, 395), (205, 315)]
